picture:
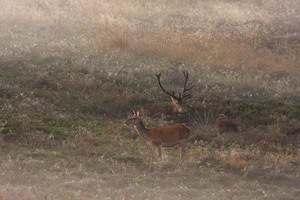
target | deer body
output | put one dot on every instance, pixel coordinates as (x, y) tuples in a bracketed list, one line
[(225, 124), (170, 109), (168, 136)]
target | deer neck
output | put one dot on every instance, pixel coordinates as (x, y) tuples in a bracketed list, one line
[(141, 130)]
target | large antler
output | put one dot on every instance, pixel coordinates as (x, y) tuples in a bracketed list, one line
[(183, 95), (163, 89), (180, 96)]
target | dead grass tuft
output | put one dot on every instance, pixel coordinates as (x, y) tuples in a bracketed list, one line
[(275, 131), (235, 160)]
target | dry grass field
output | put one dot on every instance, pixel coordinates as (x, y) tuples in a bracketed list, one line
[(71, 71)]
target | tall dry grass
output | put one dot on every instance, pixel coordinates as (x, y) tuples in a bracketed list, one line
[(215, 33), (233, 49)]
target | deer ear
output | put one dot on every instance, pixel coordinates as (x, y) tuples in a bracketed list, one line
[(173, 99), (134, 113), (138, 114)]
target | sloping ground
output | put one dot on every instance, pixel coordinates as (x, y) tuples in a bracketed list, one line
[(71, 71), (81, 169)]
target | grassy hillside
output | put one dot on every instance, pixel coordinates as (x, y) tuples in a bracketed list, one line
[(71, 72)]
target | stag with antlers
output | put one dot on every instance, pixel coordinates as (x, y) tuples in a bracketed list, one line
[(175, 106)]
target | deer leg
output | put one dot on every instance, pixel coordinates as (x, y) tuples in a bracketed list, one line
[(181, 152), (153, 152), (179, 148), (159, 152), (182, 149), (152, 149)]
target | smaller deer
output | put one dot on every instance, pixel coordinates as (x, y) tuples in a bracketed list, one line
[(225, 124), (174, 107), (168, 136)]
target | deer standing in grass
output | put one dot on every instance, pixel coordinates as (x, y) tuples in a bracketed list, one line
[(175, 106), (168, 136)]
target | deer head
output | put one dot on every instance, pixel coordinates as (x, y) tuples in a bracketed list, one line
[(177, 99)]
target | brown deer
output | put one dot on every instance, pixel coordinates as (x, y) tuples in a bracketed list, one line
[(225, 124), (159, 137), (175, 106), (170, 109)]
